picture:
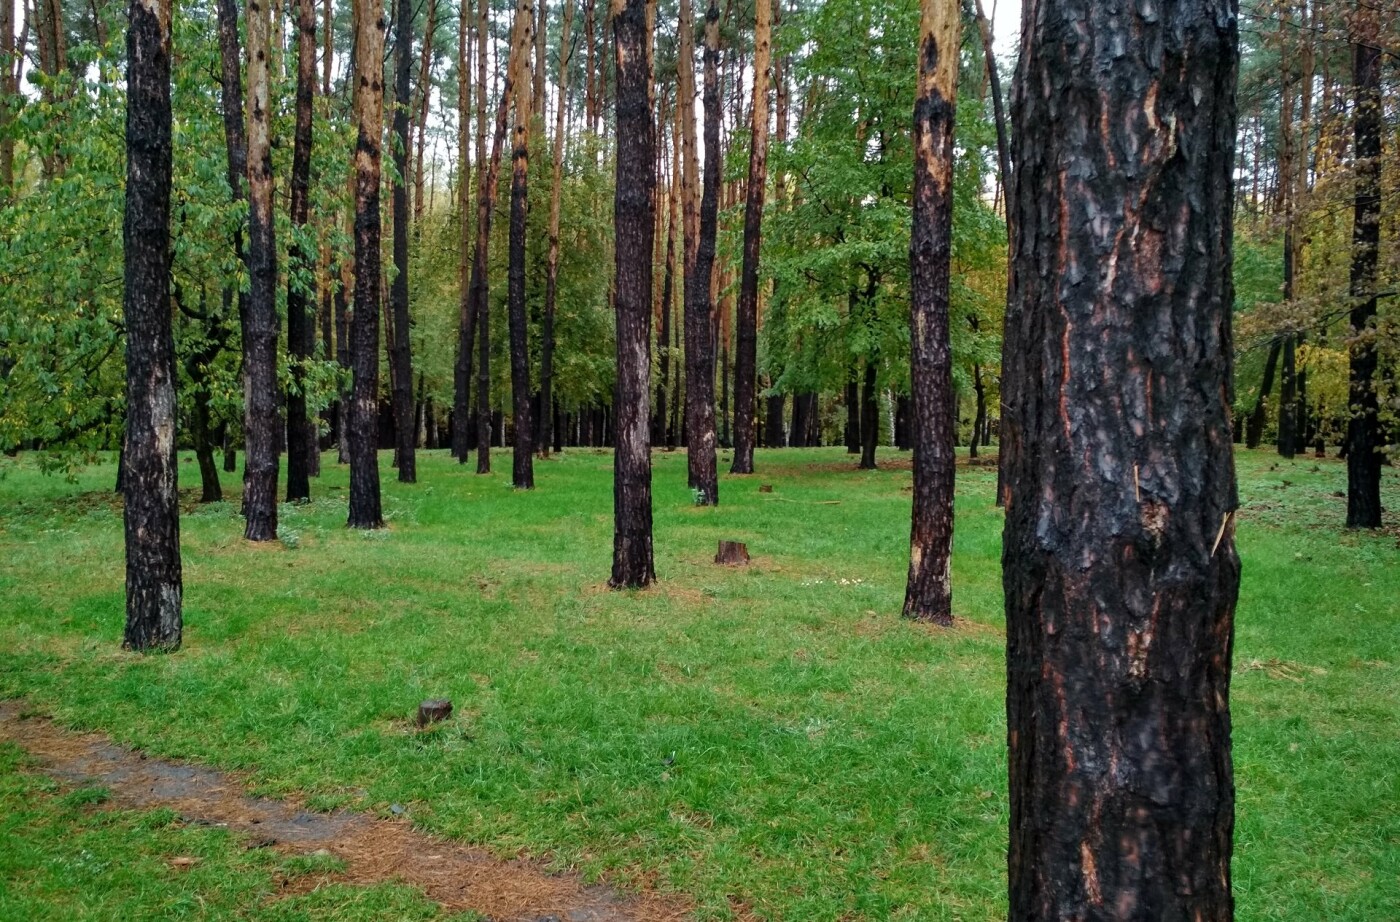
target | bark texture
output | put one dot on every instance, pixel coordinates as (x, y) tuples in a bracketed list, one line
[(634, 213), (461, 370), (1119, 565), (365, 507), (400, 350), (301, 283), (699, 297), (1364, 444), (556, 203), (746, 321), (522, 456), (261, 413), (148, 464), (929, 593)]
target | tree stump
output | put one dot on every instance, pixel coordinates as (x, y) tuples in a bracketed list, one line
[(433, 710), (765, 488), (733, 554)]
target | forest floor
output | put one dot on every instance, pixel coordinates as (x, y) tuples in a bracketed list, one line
[(769, 742)]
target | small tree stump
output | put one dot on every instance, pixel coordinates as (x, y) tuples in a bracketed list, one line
[(733, 554), (433, 710), (765, 488)]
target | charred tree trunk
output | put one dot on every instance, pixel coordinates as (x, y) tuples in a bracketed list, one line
[(660, 433), (556, 202), (149, 466), (1364, 443), (1254, 427), (1119, 564), (979, 417), (634, 214), (462, 368), (365, 509), (523, 458), (853, 413), (699, 295), (9, 93), (261, 419), (746, 358), (929, 593), (405, 433), (301, 331), (869, 419), (774, 435)]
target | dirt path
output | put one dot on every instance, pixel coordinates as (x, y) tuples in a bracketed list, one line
[(373, 850)]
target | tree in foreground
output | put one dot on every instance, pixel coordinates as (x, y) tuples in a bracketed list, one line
[(929, 595), (152, 512), (522, 460), (1119, 564), (261, 418), (1363, 427), (400, 349), (301, 295), (365, 510), (635, 222)]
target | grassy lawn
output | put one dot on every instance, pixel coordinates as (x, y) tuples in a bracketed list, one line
[(772, 739)]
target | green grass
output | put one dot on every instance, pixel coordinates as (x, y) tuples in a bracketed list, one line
[(772, 738)]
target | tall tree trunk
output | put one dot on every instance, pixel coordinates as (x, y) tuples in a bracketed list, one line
[(660, 433), (488, 179), (461, 370), (853, 408), (9, 95), (301, 335), (746, 358), (365, 509), (699, 295), (400, 347), (869, 418), (1119, 563), (929, 593), (1364, 444), (261, 419), (149, 466), (343, 292), (1288, 398), (634, 214), (556, 201), (522, 459), (1254, 427), (425, 93)]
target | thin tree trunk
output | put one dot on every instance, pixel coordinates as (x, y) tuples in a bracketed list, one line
[(746, 358), (556, 200), (1119, 563), (1288, 398), (635, 222), (365, 509), (660, 432), (466, 321), (522, 459), (1254, 427), (301, 335), (869, 419), (149, 465), (9, 93), (699, 296), (261, 419), (425, 93), (853, 407), (1364, 443), (400, 347), (929, 593)]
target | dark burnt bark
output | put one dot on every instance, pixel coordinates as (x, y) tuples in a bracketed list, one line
[(523, 445), (365, 508), (1254, 427), (556, 201), (660, 433), (262, 420), (342, 358), (1364, 443), (853, 412), (746, 320), (461, 370), (1119, 563), (869, 419), (774, 435), (301, 335), (149, 475), (1288, 399), (699, 297), (979, 416), (400, 348), (929, 593), (634, 213)]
